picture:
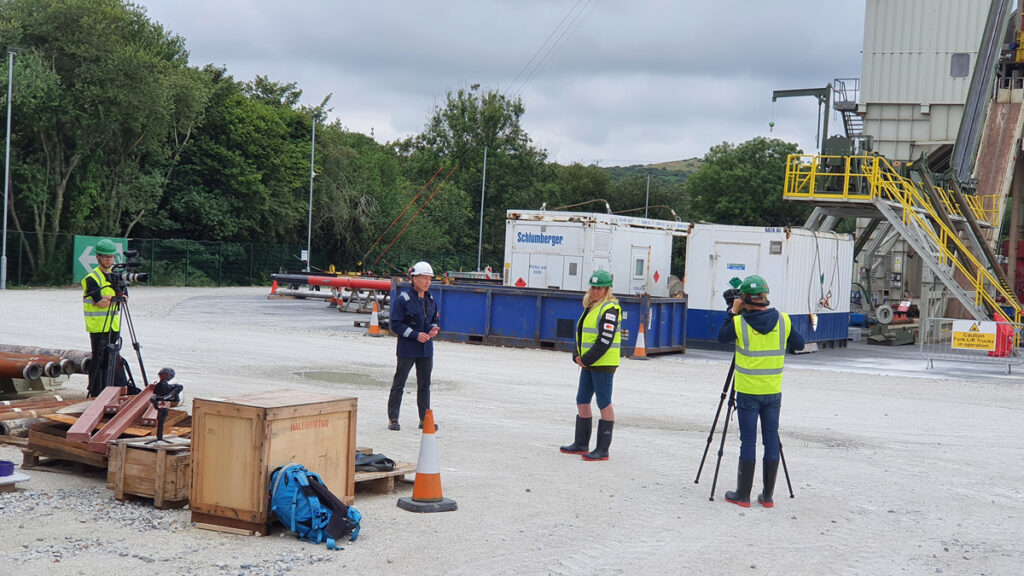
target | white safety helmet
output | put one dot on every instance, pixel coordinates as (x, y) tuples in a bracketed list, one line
[(421, 269)]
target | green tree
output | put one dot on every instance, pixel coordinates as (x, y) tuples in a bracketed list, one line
[(245, 176), (743, 184), (99, 91), (456, 135)]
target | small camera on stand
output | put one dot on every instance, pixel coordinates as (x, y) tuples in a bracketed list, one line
[(164, 393)]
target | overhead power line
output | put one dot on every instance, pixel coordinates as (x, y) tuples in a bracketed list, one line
[(558, 37)]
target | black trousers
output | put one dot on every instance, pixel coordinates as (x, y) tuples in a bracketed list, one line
[(104, 363), (423, 368)]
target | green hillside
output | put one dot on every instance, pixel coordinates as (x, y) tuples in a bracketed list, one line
[(674, 171)]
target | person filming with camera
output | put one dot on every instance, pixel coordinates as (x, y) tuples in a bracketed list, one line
[(762, 336), (102, 319)]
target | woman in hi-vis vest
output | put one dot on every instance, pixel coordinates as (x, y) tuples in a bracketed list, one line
[(597, 354)]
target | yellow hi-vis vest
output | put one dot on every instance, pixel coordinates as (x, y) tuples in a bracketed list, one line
[(759, 357), (95, 316), (591, 329)]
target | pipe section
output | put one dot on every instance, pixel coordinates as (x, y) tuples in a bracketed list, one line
[(79, 358), (334, 282)]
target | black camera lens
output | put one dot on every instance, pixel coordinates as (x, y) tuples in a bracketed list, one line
[(136, 277), (129, 254)]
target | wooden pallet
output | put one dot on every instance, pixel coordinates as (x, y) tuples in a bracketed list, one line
[(48, 441), (383, 482)]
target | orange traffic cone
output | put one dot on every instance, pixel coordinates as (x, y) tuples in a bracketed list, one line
[(273, 287), (374, 329), (640, 350), (426, 492)]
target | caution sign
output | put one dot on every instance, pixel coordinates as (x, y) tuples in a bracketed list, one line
[(973, 335)]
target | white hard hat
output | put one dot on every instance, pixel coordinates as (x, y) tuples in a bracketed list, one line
[(421, 269)]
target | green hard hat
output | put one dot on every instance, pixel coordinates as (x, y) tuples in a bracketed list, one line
[(754, 284), (106, 247), (601, 279)]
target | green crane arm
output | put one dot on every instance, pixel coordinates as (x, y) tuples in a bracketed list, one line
[(824, 96)]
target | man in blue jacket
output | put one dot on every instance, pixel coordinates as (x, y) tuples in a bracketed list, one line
[(415, 321)]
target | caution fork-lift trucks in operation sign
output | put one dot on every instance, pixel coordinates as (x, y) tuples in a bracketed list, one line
[(974, 335)]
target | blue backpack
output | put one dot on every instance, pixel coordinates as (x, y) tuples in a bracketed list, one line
[(306, 507)]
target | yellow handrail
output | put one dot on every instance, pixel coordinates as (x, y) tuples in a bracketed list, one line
[(883, 181)]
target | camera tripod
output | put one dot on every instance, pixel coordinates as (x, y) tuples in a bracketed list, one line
[(729, 390), (112, 346)]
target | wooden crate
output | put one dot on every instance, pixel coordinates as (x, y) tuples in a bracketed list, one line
[(237, 443), (159, 470)]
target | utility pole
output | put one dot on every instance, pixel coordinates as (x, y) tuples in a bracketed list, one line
[(309, 223), (647, 200), (480, 238), (7, 169)]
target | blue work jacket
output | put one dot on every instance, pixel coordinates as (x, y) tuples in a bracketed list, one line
[(411, 315)]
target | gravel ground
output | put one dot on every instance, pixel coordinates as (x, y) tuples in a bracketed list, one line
[(895, 470)]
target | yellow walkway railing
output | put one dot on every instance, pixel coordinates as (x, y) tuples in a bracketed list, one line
[(866, 178)]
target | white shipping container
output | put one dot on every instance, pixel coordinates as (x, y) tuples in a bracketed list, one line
[(547, 249), (807, 272)]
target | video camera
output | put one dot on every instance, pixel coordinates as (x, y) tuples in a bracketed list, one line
[(121, 274), (733, 293)]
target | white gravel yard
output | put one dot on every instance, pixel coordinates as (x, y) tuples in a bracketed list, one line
[(896, 470)]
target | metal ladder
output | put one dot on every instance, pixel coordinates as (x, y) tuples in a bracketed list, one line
[(924, 224), (846, 91)]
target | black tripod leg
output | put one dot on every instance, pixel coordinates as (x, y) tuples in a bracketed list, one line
[(721, 447), (785, 469), (714, 423)]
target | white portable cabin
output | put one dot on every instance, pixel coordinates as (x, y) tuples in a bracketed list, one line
[(807, 273), (548, 249)]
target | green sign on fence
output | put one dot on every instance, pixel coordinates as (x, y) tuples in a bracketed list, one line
[(83, 259)]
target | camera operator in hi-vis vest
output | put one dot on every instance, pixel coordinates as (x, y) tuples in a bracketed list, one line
[(762, 336), (102, 321)]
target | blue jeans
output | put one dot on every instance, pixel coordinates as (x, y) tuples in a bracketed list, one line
[(748, 408), (595, 384)]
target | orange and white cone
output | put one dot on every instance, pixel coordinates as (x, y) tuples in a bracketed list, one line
[(640, 350), (273, 287), (426, 492), (374, 329)]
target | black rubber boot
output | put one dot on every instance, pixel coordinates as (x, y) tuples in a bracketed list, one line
[(744, 480), (604, 440), (582, 443), (769, 471)]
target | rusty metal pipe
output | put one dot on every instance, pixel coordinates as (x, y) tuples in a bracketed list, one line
[(19, 427), (80, 358), (52, 365), (52, 369), (334, 282), (20, 369)]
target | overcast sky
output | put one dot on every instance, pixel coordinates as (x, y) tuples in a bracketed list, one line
[(613, 82)]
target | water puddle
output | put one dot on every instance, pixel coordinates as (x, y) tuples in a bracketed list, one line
[(348, 378)]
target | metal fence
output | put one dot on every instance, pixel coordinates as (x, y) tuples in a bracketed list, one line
[(957, 340), (179, 262)]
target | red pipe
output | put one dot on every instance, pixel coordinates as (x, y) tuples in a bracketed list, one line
[(20, 369), (53, 366), (358, 283)]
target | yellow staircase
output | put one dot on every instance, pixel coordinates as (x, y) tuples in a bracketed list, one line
[(873, 183)]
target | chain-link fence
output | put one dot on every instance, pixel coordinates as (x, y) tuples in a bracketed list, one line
[(198, 263)]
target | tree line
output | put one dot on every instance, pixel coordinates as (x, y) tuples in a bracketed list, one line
[(114, 133)]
